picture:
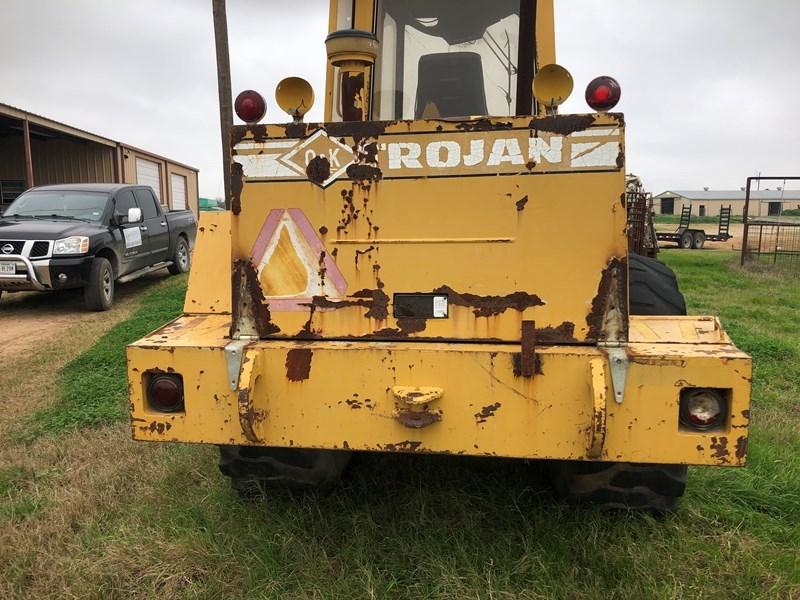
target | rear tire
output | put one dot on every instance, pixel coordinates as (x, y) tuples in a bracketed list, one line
[(686, 241), (98, 295), (699, 240), (255, 471), (181, 259), (653, 291)]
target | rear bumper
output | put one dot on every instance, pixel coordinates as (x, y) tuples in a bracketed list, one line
[(466, 398), (45, 274)]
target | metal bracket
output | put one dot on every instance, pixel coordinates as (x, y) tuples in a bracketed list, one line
[(618, 361), (234, 355)]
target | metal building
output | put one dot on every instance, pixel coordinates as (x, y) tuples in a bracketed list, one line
[(35, 150)]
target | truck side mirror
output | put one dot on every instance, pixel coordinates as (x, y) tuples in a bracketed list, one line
[(134, 215)]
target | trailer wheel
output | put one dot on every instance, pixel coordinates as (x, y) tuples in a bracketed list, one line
[(698, 240), (686, 240), (255, 471), (653, 291)]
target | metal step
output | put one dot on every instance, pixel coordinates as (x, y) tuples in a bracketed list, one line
[(145, 271)]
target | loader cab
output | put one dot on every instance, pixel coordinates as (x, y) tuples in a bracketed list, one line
[(418, 59)]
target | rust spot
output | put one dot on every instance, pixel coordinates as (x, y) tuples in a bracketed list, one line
[(407, 446), (562, 124), (409, 326), (486, 412), (720, 449), (483, 125), (563, 333), (608, 318), (527, 359), (323, 230), (521, 204), (160, 428), (746, 414), (296, 130), (318, 170), (247, 415), (298, 364), (250, 312), (358, 130), (364, 173), (741, 447), (490, 306), (530, 165), (418, 420), (353, 403), (237, 183)]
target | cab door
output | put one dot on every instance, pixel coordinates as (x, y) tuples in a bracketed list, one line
[(155, 225), (135, 241)]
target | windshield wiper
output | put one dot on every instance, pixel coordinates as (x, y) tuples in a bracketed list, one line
[(68, 217)]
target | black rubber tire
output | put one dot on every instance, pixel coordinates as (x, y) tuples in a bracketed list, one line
[(657, 488), (686, 240), (98, 294), (181, 259), (255, 471), (653, 288), (698, 240)]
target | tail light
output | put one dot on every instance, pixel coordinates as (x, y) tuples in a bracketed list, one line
[(703, 409), (250, 106), (603, 93), (165, 392)]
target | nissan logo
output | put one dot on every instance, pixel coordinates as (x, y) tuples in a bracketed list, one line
[(7, 249)]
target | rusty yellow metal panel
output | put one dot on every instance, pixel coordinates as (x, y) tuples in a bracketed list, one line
[(489, 214), (475, 402), (210, 278)]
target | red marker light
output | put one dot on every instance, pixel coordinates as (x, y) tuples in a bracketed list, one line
[(250, 106), (603, 93), (165, 393)]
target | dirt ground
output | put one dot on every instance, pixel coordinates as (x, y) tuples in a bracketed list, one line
[(735, 243), (39, 333)]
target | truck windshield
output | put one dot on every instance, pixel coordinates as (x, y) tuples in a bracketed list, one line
[(87, 206), (442, 59)]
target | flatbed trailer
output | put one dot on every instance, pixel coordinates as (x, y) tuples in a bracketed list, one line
[(688, 237)]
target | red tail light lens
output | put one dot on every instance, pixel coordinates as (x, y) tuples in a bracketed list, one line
[(250, 106), (702, 409), (603, 93), (165, 393)]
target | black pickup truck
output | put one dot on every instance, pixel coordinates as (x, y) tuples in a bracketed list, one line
[(90, 236)]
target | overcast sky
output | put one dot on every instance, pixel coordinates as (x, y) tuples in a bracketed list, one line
[(711, 88)]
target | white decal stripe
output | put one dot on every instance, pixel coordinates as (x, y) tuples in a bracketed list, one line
[(596, 132), (594, 155)]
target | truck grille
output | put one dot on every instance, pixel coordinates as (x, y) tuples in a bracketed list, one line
[(40, 249), (17, 245)]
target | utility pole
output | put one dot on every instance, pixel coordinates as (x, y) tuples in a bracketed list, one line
[(224, 88)]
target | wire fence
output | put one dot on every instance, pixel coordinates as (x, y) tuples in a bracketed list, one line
[(773, 242)]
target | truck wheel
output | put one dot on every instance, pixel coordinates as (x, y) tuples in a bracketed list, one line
[(99, 291), (255, 470), (181, 261), (698, 240), (653, 291), (686, 240)]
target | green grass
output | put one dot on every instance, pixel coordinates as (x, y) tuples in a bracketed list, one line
[(448, 527), (675, 219), (93, 387)]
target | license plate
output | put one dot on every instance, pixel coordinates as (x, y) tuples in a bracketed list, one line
[(8, 268)]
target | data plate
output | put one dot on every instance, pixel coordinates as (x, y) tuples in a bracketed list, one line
[(420, 306)]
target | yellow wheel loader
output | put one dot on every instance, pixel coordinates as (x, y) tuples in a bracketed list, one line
[(441, 267)]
